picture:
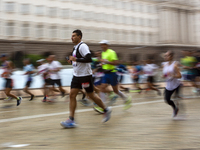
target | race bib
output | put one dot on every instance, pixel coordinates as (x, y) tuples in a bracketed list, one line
[(74, 63), (86, 85)]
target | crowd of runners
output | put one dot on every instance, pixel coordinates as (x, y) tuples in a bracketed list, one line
[(100, 76)]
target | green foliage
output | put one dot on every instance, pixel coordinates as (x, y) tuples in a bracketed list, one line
[(64, 62), (33, 58)]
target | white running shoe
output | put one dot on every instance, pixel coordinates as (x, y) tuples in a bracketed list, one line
[(7, 99), (107, 115)]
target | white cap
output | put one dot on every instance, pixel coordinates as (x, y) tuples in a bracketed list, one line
[(104, 42), (40, 60)]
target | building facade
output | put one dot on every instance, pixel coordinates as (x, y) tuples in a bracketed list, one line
[(134, 27), (119, 21)]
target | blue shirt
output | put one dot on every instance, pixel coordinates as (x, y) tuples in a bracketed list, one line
[(29, 68)]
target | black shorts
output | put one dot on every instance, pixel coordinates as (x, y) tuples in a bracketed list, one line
[(9, 83), (150, 79), (83, 82), (48, 81), (190, 77), (28, 83), (136, 79), (56, 82)]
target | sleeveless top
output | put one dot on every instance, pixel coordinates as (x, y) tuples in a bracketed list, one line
[(6, 70), (172, 83)]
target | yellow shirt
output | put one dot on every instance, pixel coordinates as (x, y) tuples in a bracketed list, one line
[(110, 56)]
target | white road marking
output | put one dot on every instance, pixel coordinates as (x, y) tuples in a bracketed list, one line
[(7, 111), (14, 145), (64, 113), (77, 111)]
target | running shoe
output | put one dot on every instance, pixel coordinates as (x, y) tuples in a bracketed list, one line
[(44, 100), (84, 102), (19, 100), (159, 93), (175, 112), (32, 97), (135, 91), (63, 94), (127, 90), (113, 99), (83, 97), (98, 109), (128, 103), (7, 99), (68, 124), (50, 100), (107, 115)]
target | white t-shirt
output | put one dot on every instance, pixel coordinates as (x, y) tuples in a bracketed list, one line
[(54, 75), (44, 69), (81, 69), (150, 69), (172, 83)]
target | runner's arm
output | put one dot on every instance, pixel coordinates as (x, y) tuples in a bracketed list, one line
[(177, 72)]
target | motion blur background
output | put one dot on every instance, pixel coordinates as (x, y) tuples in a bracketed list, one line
[(136, 29)]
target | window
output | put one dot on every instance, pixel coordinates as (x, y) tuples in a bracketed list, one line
[(25, 8), (39, 10), (9, 6), (10, 29), (97, 2), (99, 17), (137, 21), (25, 30), (52, 11), (65, 13), (76, 14), (108, 3), (39, 31), (145, 8), (76, 1), (133, 21), (133, 6), (128, 5), (87, 15), (53, 32), (65, 33), (110, 35), (120, 19), (118, 4), (109, 18), (88, 1), (142, 21)]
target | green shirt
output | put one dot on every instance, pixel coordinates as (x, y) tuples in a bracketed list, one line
[(109, 55), (189, 61)]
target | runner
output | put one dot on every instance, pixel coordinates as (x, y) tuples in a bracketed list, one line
[(150, 71), (189, 65), (121, 70), (171, 73), (109, 61), (81, 59), (137, 69), (53, 68), (43, 70), (28, 68), (7, 72)]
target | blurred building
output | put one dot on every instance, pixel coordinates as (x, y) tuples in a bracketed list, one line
[(46, 25), (179, 22)]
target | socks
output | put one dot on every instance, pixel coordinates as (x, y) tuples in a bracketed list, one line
[(122, 95), (71, 118), (105, 110)]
